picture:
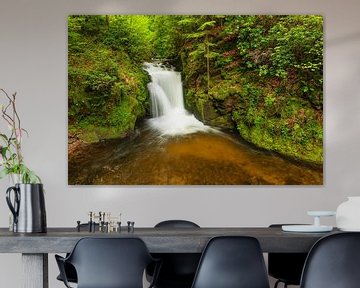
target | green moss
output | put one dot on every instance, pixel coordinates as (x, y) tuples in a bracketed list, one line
[(311, 151), (107, 91)]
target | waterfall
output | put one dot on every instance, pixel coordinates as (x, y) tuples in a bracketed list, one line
[(167, 103)]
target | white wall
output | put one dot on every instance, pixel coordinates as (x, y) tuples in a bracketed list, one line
[(33, 62)]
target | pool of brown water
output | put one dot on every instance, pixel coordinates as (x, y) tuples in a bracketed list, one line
[(194, 159)]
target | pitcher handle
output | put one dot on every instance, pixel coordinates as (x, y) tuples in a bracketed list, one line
[(13, 208)]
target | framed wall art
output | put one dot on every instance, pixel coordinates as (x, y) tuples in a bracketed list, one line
[(195, 100)]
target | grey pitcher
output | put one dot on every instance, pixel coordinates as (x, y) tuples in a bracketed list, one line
[(28, 207)]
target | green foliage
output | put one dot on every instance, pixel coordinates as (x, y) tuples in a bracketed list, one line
[(130, 34), (99, 82), (289, 48), (107, 86), (162, 29)]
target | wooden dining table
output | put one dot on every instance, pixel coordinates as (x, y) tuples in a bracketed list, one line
[(35, 247)]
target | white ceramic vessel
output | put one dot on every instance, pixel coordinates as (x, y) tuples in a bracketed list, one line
[(348, 214)]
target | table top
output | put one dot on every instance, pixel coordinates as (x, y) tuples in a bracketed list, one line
[(158, 240)]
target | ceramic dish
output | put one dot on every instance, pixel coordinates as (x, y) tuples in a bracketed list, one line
[(306, 228)]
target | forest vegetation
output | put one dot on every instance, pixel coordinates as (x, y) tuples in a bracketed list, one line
[(259, 75)]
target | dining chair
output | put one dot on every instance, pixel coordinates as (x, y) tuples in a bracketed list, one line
[(333, 262), (70, 271), (178, 269), (108, 263), (231, 262), (285, 267)]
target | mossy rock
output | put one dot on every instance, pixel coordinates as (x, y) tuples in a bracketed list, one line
[(223, 122)]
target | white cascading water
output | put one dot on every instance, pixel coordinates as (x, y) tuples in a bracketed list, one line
[(167, 103)]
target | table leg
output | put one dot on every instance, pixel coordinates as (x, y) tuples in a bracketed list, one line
[(35, 270)]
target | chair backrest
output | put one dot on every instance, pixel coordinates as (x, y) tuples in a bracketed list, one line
[(178, 269), (110, 262), (176, 224), (232, 262), (333, 262), (286, 267)]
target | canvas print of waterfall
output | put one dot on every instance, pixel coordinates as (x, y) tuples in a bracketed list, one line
[(195, 100)]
